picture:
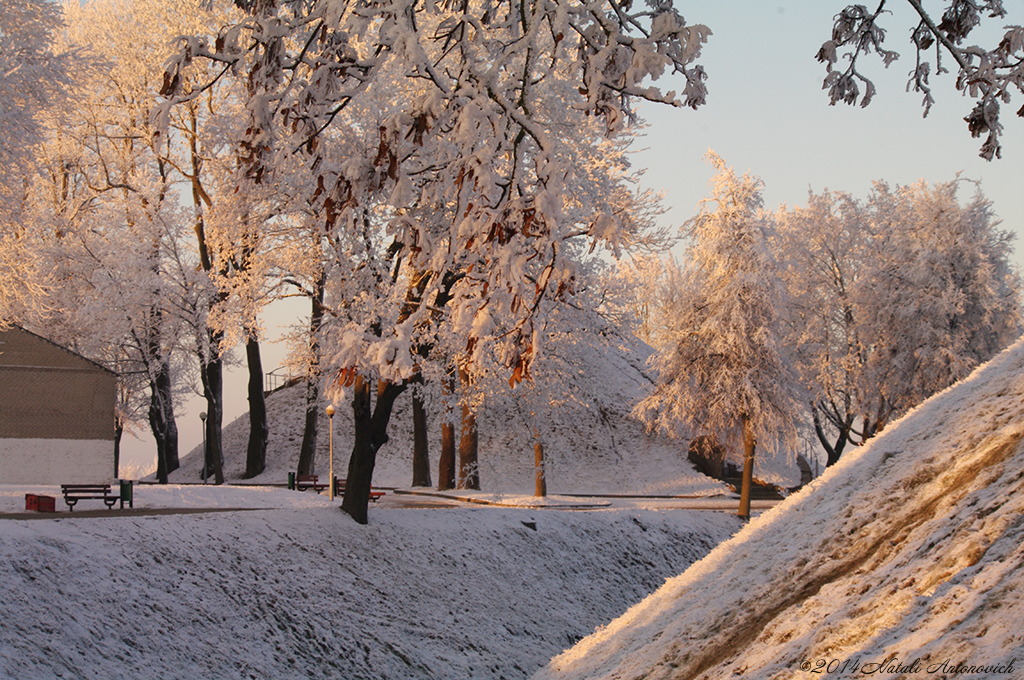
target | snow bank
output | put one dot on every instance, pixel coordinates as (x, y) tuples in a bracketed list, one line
[(910, 548), (300, 590)]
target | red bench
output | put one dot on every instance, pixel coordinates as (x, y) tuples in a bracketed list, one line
[(303, 482), (339, 488)]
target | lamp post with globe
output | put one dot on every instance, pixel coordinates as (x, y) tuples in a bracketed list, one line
[(330, 448)]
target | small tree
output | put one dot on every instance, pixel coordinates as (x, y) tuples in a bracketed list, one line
[(726, 374)]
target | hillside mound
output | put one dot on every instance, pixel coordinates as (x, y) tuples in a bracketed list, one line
[(910, 549), (578, 408)]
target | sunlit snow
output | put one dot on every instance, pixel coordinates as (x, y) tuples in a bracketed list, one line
[(910, 548)]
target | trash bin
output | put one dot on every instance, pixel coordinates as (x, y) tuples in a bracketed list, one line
[(127, 495), (36, 503), (291, 481)]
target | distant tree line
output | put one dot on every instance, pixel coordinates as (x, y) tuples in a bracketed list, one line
[(838, 316)]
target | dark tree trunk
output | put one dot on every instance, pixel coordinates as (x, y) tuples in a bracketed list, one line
[(833, 451), (446, 461), (311, 429), (371, 433), (212, 375), (118, 431), (156, 424), (256, 451), (420, 446), (161, 422), (748, 468), (469, 468), (166, 404), (172, 435)]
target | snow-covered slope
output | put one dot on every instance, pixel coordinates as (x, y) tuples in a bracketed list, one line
[(591, 443), (911, 548), (291, 587)]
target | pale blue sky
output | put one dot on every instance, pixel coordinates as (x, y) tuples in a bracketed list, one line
[(766, 113)]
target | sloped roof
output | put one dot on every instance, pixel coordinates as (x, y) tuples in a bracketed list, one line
[(23, 348)]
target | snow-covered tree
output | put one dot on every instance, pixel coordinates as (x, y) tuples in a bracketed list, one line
[(641, 296), (895, 298), (825, 250), (479, 134), (727, 374), (985, 74), (951, 297), (35, 70), (104, 216)]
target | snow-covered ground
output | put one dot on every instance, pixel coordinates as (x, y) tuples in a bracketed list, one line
[(250, 580), (290, 587), (910, 550)]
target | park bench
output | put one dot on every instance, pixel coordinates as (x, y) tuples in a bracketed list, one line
[(339, 488), (303, 482), (84, 492)]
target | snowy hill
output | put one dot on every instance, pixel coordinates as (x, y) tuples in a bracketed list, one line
[(591, 443), (911, 548)]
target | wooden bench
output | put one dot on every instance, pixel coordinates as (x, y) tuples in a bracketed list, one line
[(303, 482), (339, 488), (85, 492)]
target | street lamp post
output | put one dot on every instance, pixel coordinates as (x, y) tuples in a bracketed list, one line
[(202, 417), (330, 448)]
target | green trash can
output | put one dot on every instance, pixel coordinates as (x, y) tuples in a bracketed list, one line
[(127, 493), (291, 481)]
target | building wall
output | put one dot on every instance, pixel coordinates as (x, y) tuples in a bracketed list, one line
[(56, 461), (42, 402), (56, 413)]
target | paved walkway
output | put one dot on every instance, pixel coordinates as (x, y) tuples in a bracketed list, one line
[(116, 512), (728, 503), (424, 499)]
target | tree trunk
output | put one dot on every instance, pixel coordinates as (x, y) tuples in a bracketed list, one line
[(311, 429), (212, 375), (446, 461), (420, 446), (156, 424), (371, 427), (118, 431), (541, 488), (163, 383), (469, 472), (832, 451), (256, 451), (469, 468), (161, 422), (748, 467)]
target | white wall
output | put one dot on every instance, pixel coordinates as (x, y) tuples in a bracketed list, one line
[(56, 461)]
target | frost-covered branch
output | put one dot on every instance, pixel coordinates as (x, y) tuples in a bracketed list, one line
[(987, 75)]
